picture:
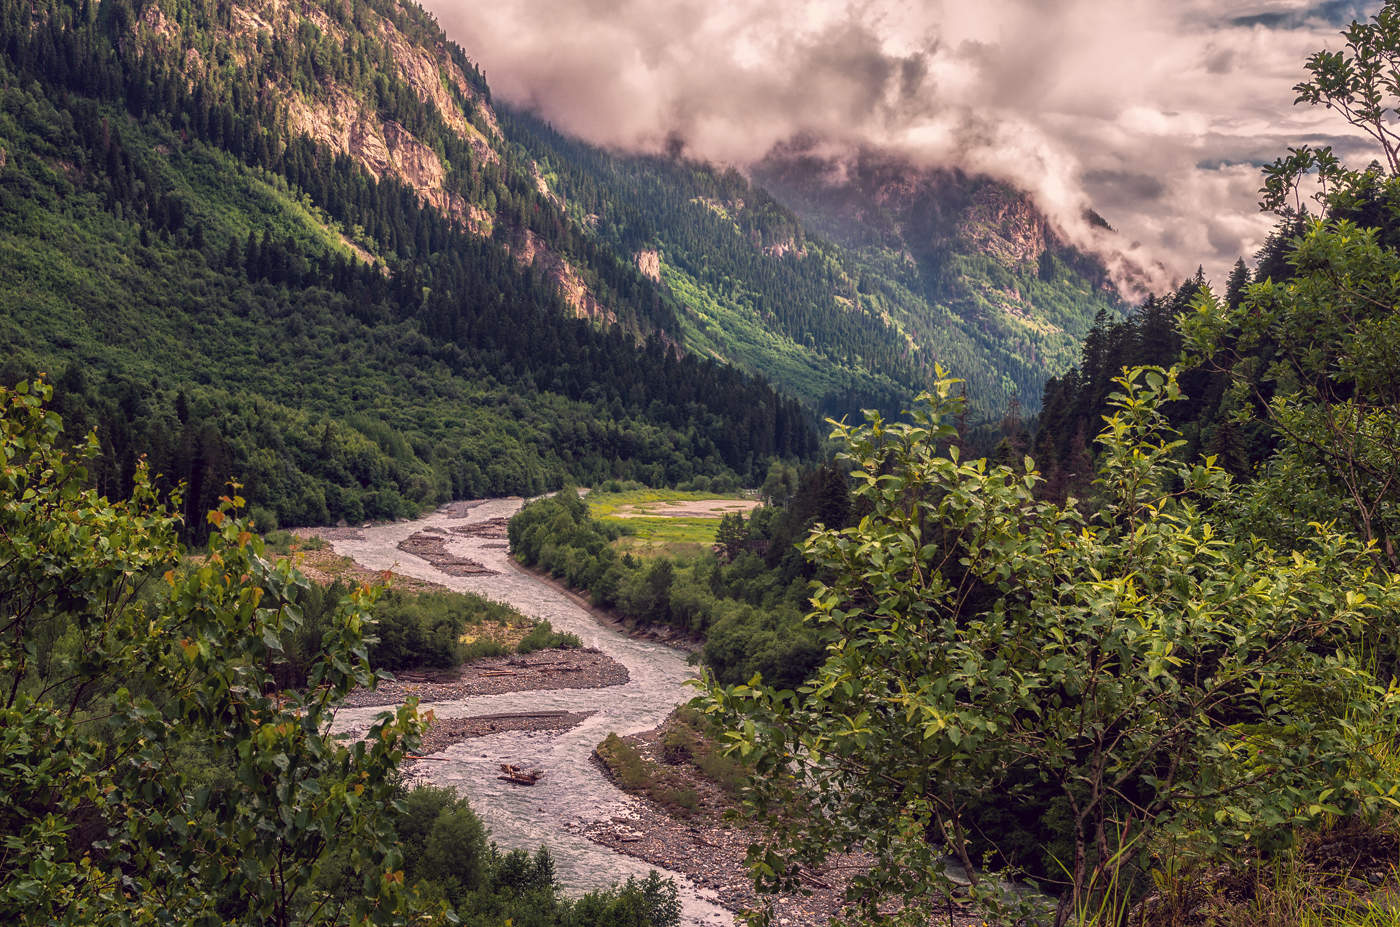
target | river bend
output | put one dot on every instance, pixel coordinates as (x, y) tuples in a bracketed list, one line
[(573, 791)]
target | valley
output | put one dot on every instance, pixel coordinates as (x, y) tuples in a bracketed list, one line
[(918, 570)]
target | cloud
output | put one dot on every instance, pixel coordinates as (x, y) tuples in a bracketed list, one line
[(1156, 115)]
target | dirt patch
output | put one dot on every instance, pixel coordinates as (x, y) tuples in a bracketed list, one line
[(712, 856), (494, 529), (545, 669), (433, 548), (444, 732), (700, 508)]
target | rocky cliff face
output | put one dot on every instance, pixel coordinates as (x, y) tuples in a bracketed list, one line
[(781, 248), (877, 199), (529, 250), (1006, 225), (872, 199), (383, 147), (335, 115), (342, 118)]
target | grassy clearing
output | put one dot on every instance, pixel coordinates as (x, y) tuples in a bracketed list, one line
[(607, 505), (659, 534)]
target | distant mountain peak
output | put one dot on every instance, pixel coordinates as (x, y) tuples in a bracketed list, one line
[(869, 197)]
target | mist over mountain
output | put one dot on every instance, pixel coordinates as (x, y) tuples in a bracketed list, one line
[(1156, 116), (877, 199)]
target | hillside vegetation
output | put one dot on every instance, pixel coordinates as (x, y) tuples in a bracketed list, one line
[(233, 297)]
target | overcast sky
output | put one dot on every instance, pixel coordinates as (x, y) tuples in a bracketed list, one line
[(1156, 113)]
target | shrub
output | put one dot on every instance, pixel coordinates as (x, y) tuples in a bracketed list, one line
[(544, 637), (1140, 671)]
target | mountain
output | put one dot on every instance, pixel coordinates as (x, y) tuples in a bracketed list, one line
[(844, 293), (987, 267), (290, 242), (300, 243)]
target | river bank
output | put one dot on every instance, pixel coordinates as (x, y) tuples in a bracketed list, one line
[(573, 793), (687, 793), (686, 643), (447, 732)]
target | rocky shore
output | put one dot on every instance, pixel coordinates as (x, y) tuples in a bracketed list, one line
[(710, 849), (431, 545), (324, 566)]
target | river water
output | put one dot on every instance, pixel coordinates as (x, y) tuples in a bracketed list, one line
[(573, 791)]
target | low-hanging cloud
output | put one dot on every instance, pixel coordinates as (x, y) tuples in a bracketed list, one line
[(1156, 115)]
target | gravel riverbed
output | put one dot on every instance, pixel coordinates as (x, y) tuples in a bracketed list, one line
[(573, 793)]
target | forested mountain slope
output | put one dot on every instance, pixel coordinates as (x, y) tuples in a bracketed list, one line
[(989, 286), (231, 295), (297, 243), (849, 297)]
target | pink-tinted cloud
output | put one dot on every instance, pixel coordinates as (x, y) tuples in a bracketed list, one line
[(1155, 114)]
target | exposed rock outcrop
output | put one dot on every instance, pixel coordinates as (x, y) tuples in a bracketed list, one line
[(429, 76), (1006, 224), (341, 118), (649, 263), (383, 148), (787, 246), (338, 118), (529, 250)]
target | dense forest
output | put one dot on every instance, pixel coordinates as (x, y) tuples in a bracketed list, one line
[(181, 267)]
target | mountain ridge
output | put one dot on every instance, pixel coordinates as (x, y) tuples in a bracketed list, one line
[(322, 96), (370, 288)]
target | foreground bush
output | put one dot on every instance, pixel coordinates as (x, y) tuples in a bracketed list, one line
[(152, 767), (164, 756), (1141, 672)]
